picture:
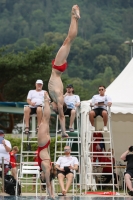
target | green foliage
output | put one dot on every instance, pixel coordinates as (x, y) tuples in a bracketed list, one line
[(23, 69), (98, 50), (14, 141)]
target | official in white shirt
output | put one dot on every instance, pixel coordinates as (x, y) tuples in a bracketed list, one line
[(35, 99), (72, 101), (65, 166), (5, 148), (100, 103)]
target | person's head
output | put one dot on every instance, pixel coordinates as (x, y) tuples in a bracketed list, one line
[(102, 90), (39, 85), (1, 133), (70, 89), (131, 149), (67, 150), (15, 149)]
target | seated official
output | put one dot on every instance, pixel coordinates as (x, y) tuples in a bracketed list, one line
[(65, 166), (127, 156), (100, 103), (35, 99), (72, 101)]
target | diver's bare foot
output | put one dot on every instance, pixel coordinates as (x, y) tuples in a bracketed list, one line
[(64, 192), (76, 11), (51, 197)]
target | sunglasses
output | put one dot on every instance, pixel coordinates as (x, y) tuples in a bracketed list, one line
[(66, 149), (101, 89)]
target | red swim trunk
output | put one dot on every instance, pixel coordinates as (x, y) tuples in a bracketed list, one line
[(39, 149), (61, 68)]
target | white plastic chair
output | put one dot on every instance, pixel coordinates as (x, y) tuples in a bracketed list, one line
[(27, 169)]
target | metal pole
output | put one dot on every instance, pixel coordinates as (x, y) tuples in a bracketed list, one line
[(3, 185), (131, 50)]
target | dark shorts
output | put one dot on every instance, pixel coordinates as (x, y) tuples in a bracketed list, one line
[(64, 173), (33, 110), (68, 112), (98, 111), (129, 172)]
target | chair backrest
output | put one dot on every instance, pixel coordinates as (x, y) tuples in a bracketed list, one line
[(29, 163), (31, 167), (26, 169)]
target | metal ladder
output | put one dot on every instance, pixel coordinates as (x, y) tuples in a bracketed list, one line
[(27, 141), (26, 145), (74, 141), (90, 181)]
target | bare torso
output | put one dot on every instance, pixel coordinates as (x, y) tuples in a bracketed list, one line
[(44, 155), (43, 139), (55, 85), (43, 134)]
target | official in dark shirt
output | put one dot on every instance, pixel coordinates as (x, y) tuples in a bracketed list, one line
[(127, 156)]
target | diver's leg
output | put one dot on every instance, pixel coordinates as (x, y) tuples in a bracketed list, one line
[(46, 170), (60, 103), (63, 52)]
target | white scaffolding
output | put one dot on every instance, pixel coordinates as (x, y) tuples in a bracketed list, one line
[(88, 167), (26, 166)]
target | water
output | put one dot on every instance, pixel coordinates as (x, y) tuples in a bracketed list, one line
[(64, 198)]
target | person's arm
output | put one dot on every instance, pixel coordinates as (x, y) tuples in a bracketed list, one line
[(78, 101), (7, 148), (109, 103), (77, 104), (74, 167), (29, 99), (58, 167), (123, 156), (93, 103), (31, 103), (65, 94), (75, 164), (46, 93)]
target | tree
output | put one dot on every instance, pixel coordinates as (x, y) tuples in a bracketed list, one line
[(103, 61), (20, 71)]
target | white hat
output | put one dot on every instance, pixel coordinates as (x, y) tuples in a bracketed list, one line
[(39, 81)]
